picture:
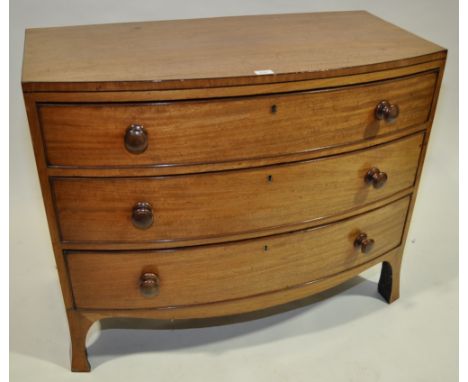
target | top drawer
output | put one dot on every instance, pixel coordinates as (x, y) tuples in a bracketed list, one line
[(221, 130)]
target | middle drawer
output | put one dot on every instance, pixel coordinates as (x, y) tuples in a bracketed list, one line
[(201, 206)]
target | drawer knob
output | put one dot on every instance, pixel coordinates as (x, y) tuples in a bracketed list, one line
[(387, 111), (136, 139), (149, 284), (142, 215), (376, 177), (363, 242)]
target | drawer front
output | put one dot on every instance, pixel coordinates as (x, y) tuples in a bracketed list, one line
[(212, 131), (214, 273), (212, 205)]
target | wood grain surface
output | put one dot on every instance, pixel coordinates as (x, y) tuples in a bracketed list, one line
[(226, 203), (252, 186), (140, 245), (216, 51), (214, 131), (231, 309), (202, 274), (294, 85)]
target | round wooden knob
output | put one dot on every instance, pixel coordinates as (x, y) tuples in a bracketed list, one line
[(363, 242), (142, 215), (387, 111), (149, 284), (376, 177), (136, 139)]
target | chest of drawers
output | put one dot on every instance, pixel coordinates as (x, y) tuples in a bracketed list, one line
[(213, 167)]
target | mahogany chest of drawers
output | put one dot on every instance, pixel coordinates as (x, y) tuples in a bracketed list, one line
[(212, 167)]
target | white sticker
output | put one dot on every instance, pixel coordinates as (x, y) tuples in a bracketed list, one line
[(263, 72)]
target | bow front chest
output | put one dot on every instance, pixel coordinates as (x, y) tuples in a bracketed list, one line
[(213, 167)]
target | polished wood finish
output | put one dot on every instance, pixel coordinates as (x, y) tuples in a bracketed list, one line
[(252, 303), (142, 215), (386, 73), (139, 245), (387, 111), (233, 307), (149, 284), (79, 326), (39, 154), (40, 98), (154, 171), (136, 139), (364, 243), (174, 163), (201, 275), (376, 177), (216, 205), (224, 50), (193, 132)]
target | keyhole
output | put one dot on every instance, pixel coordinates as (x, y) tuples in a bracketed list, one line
[(270, 178), (273, 109), (265, 248)]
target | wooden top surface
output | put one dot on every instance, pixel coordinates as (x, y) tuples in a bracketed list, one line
[(216, 51)]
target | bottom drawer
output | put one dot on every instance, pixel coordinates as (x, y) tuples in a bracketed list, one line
[(205, 274)]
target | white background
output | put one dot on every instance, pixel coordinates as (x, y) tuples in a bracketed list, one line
[(351, 336)]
